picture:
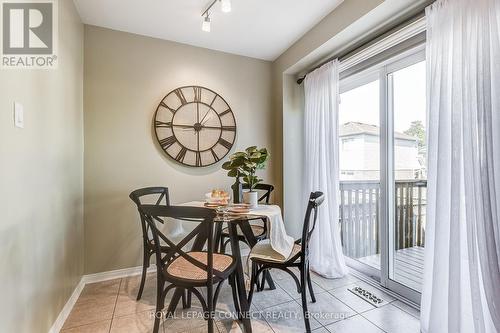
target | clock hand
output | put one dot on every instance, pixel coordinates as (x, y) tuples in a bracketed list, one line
[(201, 122), (208, 118), (211, 127)]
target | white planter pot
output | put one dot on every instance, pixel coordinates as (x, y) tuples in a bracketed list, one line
[(250, 198)]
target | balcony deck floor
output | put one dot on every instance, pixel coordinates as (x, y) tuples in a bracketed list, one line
[(408, 266)]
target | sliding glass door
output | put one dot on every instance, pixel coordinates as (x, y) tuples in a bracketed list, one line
[(383, 171)]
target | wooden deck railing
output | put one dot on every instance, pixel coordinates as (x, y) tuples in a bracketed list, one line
[(359, 216)]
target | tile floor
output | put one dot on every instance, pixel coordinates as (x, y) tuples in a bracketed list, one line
[(110, 306)]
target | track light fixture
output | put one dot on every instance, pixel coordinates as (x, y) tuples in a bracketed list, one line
[(206, 24), (225, 8)]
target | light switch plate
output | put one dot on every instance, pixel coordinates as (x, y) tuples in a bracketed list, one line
[(18, 115)]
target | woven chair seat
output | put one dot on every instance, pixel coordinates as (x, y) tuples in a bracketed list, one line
[(183, 269), (257, 230)]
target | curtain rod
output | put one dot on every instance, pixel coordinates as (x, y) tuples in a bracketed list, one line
[(367, 42)]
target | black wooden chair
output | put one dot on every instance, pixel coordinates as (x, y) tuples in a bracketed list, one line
[(189, 270), (155, 195), (259, 230), (298, 258)]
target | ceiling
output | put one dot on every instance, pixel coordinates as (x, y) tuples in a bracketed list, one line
[(261, 29)]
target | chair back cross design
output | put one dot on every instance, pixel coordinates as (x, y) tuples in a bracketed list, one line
[(186, 270), (202, 233)]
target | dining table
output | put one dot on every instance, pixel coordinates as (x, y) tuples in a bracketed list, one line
[(276, 232)]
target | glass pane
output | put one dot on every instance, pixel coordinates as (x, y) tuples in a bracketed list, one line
[(359, 161), (410, 176)]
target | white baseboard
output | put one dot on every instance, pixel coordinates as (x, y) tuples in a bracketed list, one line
[(92, 278), (116, 274), (63, 315)]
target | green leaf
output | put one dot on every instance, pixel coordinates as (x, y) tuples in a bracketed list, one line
[(245, 164), (251, 149)]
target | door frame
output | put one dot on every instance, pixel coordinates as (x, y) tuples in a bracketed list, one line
[(382, 72), (387, 188)]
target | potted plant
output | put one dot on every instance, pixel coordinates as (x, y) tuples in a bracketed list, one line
[(245, 164)]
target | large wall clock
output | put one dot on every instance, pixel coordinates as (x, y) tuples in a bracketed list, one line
[(195, 126)]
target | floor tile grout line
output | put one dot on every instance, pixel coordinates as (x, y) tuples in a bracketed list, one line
[(114, 308), (88, 323), (265, 320), (380, 328), (299, 302), (272, 306), (77, 326), (286, 293), (355, 311)]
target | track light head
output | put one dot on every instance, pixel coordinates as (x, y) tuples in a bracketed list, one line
[(206, 24)]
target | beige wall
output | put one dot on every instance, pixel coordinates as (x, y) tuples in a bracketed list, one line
[(41, 185), (126, 76), (288, 102)]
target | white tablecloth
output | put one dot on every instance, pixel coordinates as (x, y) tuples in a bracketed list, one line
[(280, 245)]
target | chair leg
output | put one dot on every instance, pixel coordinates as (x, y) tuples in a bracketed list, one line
[(189, 297), (234, 291), (160, 300), (266, 277), (253, 281), (309, 284), (262, 283), (184, 299), (145, 265), (218, 237), (304, 299), (210, 308)]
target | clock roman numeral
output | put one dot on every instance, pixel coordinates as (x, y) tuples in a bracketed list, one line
[(225, 112), (180, 156), (197, 94), (167, 142), (163, 124), (167, 107), (198, 159), (229, 128), (180, 96), (225, 143), (216, 158)]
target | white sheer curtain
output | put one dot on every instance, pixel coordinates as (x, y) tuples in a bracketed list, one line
[(321, 167), (461, 291)]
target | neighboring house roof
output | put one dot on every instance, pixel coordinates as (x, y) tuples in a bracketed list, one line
[(355, 128)]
